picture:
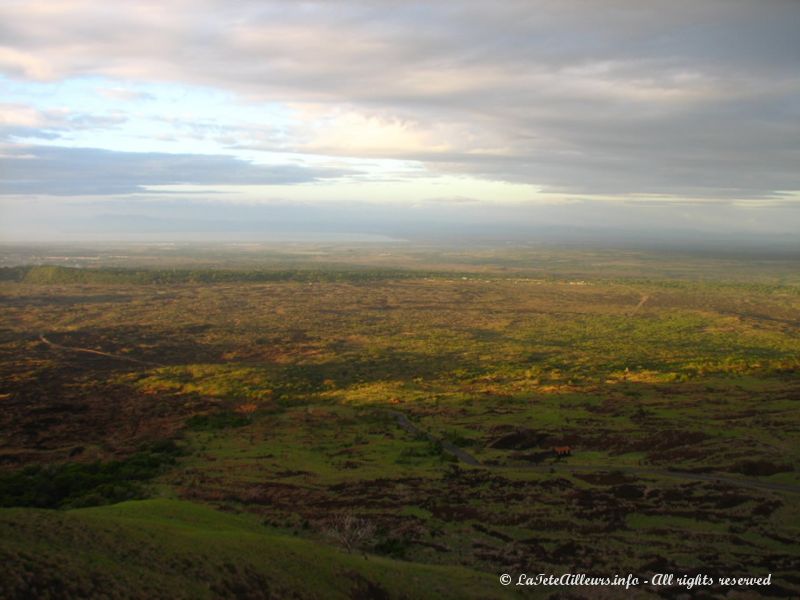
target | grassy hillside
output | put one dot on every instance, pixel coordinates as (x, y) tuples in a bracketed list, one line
[(289, 400), (173, 549)]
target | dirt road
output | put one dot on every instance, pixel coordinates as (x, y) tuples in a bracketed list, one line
[(98, 353)]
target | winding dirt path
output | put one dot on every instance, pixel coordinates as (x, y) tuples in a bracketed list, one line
[(98, 353), (462, 455), (642, 302)]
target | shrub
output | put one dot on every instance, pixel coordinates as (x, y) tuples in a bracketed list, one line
[(71, 485), (217, 421)]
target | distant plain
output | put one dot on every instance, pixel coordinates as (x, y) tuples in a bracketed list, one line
[(261, 390)]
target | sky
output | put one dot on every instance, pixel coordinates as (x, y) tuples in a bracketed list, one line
[(216, 119)]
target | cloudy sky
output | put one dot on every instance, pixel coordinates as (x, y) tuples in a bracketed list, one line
[(219, 118)]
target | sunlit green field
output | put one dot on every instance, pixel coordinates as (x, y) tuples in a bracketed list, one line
[(282, 398)]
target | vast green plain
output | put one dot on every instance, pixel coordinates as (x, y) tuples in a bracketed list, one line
[(195, 422)]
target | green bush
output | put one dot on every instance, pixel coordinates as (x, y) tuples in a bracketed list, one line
[(217, 421), (71, 485)]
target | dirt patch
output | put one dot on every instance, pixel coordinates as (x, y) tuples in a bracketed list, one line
[(628, 491), (558, 483), (760, 468), (612, 478), (726, 501), (533, 457), (453, 512), (521, 439), (282, 474), (765, 509)]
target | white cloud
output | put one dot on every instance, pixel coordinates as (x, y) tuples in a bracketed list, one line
[(675, 98), (18, 115), (22, 64), (124, 94)]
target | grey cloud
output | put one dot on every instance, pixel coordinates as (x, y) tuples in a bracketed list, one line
[(697, 97), (61, 171), (50, 124)]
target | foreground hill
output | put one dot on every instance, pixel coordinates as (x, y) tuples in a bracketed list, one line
[(173, 549)]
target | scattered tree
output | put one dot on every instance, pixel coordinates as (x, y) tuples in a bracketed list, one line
[(350, 531)]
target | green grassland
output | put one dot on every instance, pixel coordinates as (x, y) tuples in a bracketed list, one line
[(259, 403), (173, 549)]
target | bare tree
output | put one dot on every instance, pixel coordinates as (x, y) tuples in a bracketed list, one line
[(349, 531)]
